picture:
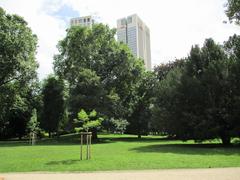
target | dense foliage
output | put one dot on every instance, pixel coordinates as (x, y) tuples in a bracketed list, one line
[(233, 10), (102, 74), (201, 99), (17, 75), (99, 84), (54, 105), (88, 122)]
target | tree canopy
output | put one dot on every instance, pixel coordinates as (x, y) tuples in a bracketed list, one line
[(17, 49), (233, 10), (53, 104), (102, 73), (199, 100), (17, 75)]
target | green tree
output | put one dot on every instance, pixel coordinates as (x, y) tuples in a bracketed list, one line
[(110, 64), (17, 102), (17, 74), (88, 93), (232, 48), (17, 116), (166, 107), (17, 49), (88, 122), (33, 124), (118, 125), (233, 10), (198, 101), (162, 70), (209, 68), (139, 120), (54, 105)]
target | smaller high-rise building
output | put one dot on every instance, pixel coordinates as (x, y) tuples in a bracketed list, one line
[(87, 21)]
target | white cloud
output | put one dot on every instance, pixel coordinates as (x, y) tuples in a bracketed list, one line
[(175, 25), (48, 28)]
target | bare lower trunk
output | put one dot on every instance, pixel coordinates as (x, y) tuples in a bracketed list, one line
[(94, 134), (226, 140), (20, 137)]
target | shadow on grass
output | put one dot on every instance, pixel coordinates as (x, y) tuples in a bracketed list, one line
[(74, 139), (135, 139), (192, 149), (63, 162), (13, 143)]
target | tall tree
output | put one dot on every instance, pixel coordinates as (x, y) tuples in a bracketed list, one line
[(17, 101), (139, 120), (87, 94), (53, 104), (17, 74), (209, 68), (115, 69), (233, 10), (166, 104), (17, 49), (162, 70), (199, 103), (232, 47)]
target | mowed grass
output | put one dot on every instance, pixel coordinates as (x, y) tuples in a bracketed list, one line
[(115, 152)]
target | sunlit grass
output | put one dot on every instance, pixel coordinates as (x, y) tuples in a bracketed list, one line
[(115, 152)]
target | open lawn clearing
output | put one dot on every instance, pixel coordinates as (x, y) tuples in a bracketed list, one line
[(115, 152)]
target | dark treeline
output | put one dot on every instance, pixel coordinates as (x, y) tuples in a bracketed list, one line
[(198, 97), (98, 85)]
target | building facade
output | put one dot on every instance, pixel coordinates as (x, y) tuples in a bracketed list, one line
[(133, 31), (87, 21)]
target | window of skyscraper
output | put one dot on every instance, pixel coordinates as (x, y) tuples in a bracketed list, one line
[(129, 20), (123, 22)]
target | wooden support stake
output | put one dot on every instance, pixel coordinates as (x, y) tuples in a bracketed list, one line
[(33, 138), (86, 137), (81, 147), (30, 137), (90, 138), (87, 145)]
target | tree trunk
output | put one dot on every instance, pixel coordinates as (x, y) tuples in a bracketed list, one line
[(58, 135), (20, 137), (94, 134), (49, 134), (226, 140), (139, 136)]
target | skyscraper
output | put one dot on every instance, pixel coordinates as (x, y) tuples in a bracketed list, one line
[(136, 35), (82, 21)]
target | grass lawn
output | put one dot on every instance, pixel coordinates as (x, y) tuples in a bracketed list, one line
[(115, 152)]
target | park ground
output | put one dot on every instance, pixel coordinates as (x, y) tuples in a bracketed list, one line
[(175, 174), (115, 152)]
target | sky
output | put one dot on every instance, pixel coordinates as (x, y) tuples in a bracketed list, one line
[(175, 25)]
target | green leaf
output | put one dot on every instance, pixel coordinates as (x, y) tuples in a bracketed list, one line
[(82, 115), (93, 114)]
